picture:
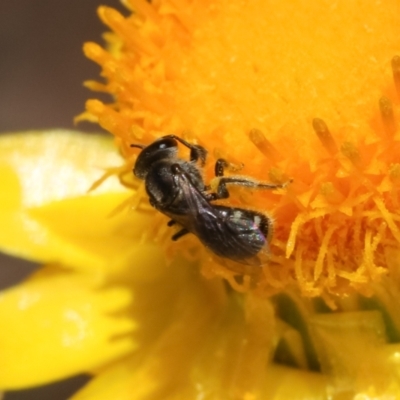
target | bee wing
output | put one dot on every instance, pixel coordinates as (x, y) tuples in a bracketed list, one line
[(205, 220), (229, 232), (202, 213)]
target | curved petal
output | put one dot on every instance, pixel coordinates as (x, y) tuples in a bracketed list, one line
[(56, 325), (179, 315), (46, 212)]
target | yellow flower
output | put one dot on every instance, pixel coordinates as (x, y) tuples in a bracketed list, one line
[(299, 91)]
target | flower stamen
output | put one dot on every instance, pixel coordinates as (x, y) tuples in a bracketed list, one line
[(396, 73), (325, 136), (388, 119)]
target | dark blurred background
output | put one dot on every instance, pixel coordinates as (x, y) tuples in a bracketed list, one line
[(42, 68), (42, 65)]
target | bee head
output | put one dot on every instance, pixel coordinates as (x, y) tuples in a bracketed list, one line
[(162, 149)]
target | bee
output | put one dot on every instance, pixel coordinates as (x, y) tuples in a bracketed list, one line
[(177, 189)]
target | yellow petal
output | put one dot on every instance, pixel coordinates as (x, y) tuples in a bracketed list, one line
[(352, 351), (46, 213), (178, 315), (56, 325), (282, 383)]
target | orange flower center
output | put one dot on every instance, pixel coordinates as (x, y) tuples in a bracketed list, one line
[(295, 90)]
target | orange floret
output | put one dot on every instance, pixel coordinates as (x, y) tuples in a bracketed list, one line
[(294, 90)]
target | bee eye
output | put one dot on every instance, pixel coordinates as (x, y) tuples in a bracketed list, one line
[(166, 143)]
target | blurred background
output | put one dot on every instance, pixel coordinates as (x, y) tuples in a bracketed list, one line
[(42, 68)]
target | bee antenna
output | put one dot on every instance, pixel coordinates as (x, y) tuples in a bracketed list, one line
[(140, 146)]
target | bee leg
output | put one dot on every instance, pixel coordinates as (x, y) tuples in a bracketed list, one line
[(179, 234), (197, 152), (220, 166), (219, 170), (223, 193)]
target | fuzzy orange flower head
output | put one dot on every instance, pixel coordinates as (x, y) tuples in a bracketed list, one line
[(301, 93)]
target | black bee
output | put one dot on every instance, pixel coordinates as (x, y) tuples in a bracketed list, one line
[(176, 188)]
